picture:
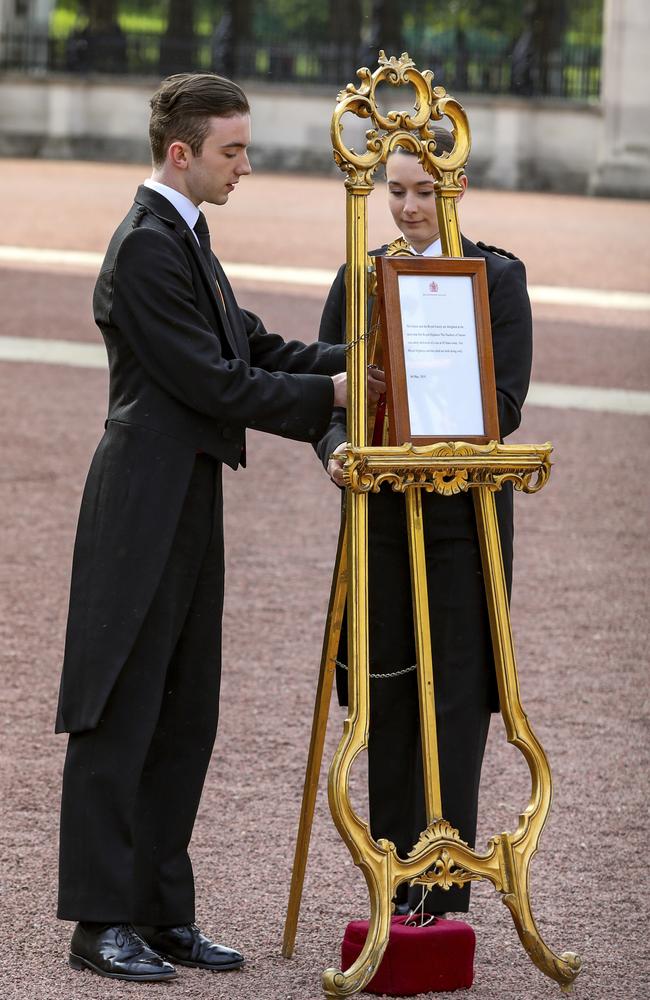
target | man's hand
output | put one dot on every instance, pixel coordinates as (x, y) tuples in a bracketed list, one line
[(340, 389), (335, 466), (376, 386)]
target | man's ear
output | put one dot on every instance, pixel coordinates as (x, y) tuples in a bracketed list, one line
[(463, 183), (178, 155)]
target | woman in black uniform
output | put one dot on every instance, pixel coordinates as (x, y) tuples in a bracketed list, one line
[(465, 684)]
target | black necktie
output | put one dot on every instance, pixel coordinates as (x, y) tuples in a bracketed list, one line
[(203, 235)]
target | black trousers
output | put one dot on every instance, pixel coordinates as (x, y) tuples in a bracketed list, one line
[(464, 680), (131, 787)]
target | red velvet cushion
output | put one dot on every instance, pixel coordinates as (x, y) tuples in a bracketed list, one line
[(434, 958)]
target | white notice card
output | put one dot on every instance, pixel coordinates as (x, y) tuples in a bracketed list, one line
[(441, 355)]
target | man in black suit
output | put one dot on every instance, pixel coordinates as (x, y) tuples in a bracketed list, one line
[(465, 685), (189, 371)]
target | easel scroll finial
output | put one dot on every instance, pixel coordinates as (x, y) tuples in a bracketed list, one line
[(410, 129)]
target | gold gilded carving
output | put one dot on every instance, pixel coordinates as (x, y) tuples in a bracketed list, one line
[(445, 873), (400, 248), (448, 483), (409, 129), (448, 467), (432, 834), (372, 276)]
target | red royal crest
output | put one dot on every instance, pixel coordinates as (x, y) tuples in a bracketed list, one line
[(433, 286)]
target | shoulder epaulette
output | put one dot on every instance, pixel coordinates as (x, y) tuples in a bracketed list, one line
[(138, 216), (497, 250)]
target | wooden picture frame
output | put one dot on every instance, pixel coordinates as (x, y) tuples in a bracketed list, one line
[(434, 318)]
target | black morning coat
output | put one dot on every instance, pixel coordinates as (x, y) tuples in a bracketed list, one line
[(186, 375), (511, 322)]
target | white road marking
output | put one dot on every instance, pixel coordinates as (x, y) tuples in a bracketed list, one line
[(592, 298), (589, 397), (25, 256), (53, 352), (556, 396), (315, 277)]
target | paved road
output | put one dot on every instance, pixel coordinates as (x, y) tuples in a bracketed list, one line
[(579, 610)]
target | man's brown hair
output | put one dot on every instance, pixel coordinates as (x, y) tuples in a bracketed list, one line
[(182, 106)]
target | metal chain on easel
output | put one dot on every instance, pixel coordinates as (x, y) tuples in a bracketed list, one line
[(388, 676)]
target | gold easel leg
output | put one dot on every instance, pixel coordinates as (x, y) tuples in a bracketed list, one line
[(419, 590), (519, 847), (562, 968), (335, 611)]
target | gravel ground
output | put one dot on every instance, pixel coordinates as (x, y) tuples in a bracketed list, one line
[(579, 610)]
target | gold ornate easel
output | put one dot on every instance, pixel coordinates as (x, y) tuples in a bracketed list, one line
[(440, 858)]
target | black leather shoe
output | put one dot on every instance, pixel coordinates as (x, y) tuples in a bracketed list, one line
[(186, 945), (117, 952)]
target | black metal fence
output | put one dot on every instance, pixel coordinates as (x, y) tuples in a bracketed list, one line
[(573, 71)]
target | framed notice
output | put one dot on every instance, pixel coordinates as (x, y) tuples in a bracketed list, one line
[(437, 349)]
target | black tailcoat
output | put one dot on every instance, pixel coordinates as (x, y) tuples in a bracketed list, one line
[(189, 371), (464, 681)]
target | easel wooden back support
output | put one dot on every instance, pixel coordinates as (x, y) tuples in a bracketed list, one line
[(440, 857)]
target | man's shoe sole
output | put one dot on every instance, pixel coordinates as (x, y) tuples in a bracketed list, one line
[(202, 965), (79, 964)]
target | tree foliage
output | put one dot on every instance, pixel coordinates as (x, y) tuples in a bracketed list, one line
[(395, 22)]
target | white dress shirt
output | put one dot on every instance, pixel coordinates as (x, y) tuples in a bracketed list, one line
[(433, 250), (185, 208)]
